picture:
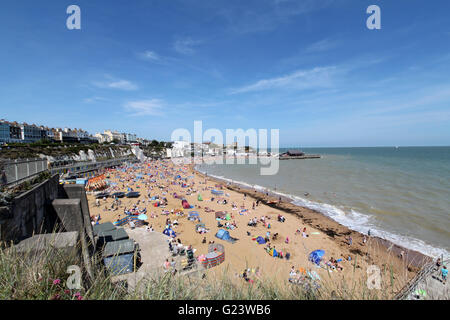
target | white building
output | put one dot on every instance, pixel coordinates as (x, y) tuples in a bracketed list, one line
[(180, 149), (103, 138), (130, 137), (30, 133), (114, 135)]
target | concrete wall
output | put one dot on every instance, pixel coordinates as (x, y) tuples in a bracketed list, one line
[(31, 212), (50, 207), (74, 191)]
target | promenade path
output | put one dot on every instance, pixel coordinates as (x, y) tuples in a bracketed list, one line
[(428, 285)]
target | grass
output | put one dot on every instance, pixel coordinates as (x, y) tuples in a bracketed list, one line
[(43, 276)]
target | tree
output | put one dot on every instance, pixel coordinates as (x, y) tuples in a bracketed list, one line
[(154, 143)]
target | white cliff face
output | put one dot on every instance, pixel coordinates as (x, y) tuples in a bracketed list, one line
[(82, 156), (49, 158), (91, 156), (138, 153), (97, 155)]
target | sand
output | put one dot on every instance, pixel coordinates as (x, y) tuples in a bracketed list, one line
[(323, 233)]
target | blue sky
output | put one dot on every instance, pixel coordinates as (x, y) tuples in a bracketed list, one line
[(310, 68)]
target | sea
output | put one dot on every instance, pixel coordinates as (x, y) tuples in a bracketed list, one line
[(401, 194)]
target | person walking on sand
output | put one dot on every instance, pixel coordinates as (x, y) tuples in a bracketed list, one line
[(444, 273), (438, 263)]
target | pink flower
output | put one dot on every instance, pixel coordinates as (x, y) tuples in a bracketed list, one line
[(66, 291), (80, 298), (56, 297), (56, 281)]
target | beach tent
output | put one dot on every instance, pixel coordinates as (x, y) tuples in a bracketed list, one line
[(273, 253), (169, 232), (220, 215), (199, 198), (223, 235), (316, 256), (260, 240), (228, 217), (185, 204)]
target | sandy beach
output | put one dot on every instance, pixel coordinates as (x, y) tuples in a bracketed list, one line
[(158, 178)]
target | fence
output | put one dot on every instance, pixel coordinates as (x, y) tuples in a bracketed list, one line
[(87, 168), (425, 272), (15, 171)]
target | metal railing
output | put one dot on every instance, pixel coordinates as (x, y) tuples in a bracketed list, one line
[(426, 271), (14, 172), (17, 171), (82, 167)]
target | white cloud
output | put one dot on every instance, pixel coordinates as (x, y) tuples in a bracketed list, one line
[(94, 99), (321, 46), (301, 79), (116, 84), (185, 46), (150, 55), (145, 107), (265, 15)]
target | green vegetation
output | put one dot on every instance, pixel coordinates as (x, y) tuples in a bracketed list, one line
[(156, 148), (43, 276), (33, 150)]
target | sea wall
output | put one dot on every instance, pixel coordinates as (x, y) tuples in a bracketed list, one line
[(43, 210), (30, 213), (50, 209)]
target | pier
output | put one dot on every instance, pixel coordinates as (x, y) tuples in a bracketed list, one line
[(297, 154), (306, 156)]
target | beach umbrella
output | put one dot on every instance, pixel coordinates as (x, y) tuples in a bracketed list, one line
[(142, 217), (316, 256)]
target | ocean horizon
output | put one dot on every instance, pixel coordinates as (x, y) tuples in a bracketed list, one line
[(399, 193)]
